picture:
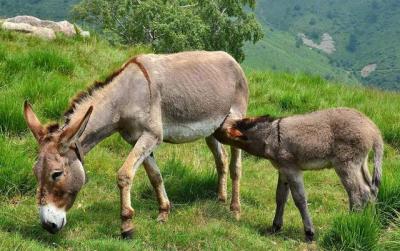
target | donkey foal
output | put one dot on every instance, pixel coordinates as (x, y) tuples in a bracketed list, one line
[(340, 138)]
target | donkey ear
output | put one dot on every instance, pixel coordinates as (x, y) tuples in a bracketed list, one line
[(234, 133), (72, 133), (33, 122)]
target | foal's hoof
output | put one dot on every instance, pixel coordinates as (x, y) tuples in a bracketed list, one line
[(309, 236), (275, 229), (127, 235), (162, 217)]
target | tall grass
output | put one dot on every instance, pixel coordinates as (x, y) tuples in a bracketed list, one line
[(355, 231), (16, 163), (185, 184)]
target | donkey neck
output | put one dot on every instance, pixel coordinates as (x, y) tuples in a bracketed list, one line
[(263, 139), (104, 120)]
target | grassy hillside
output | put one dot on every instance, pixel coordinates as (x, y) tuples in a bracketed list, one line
[(49, 73), (364, 32), (278, 51)]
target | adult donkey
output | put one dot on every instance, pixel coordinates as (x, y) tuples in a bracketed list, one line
[(174, 98)]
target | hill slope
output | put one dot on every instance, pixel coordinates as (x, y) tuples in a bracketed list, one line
[(49, 73), (365, 32)]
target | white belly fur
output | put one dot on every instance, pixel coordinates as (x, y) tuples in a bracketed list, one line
[(316, 164), (181, 133)]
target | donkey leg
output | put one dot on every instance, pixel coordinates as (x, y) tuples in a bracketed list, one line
[(221, 164), (143, 147), (235, 168), (156, 180), (282, 192), (352, 178), (296, 184)]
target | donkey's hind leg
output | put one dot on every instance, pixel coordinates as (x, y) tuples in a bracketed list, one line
[(354, 180), (156, 180), (282, 192), (220, 158), (235, 168)]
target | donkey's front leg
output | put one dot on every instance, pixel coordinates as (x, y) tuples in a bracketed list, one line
[(296, 184), (143, 147), (281, 196), (156, 180)]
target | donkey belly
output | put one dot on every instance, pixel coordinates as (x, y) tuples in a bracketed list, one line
[(186, 132)]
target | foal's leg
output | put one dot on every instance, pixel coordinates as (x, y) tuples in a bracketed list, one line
[(282, 192), (352, 178), (235, 168), (221, 164), (296, 184), (154, 174), (143, 147)]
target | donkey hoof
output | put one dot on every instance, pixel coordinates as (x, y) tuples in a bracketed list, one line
[(275, 228), (162, 217), (309, 236), (236, 215), (127, 235), (222, 199)]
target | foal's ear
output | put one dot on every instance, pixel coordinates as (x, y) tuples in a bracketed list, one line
[(234, 133), (71, 134), (33, 122)]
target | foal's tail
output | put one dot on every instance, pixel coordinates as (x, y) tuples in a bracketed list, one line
[(378, 156)]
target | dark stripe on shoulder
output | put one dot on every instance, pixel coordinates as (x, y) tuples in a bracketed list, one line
[(101, 84)]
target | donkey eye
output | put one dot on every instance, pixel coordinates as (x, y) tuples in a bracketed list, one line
[(56, 175)]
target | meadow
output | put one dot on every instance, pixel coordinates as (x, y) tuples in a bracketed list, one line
[(48, 74)]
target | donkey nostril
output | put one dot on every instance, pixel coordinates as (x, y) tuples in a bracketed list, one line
[(53, 225)]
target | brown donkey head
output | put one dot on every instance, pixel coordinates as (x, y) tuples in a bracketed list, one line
[(58, 170)]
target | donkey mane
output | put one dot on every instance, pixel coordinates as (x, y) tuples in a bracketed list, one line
[(53, 127), (97, 85), (248, 123)]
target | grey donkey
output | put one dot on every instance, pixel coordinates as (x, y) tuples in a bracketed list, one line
[(151, 99), (340, 138)]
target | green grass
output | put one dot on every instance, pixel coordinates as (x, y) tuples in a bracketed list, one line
[(49, 73), (355, 231)]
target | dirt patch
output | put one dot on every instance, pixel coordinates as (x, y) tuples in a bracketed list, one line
[(327, 44), (367, 70)]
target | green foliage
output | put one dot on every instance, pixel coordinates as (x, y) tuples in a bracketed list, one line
[(352, 44), (356, 231), (172, 26)]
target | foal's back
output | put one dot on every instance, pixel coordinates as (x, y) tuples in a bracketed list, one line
[(342, 133)]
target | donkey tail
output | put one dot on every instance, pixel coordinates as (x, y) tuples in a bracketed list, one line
[(378, 156)]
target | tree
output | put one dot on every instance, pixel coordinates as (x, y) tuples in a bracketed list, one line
[(174, 25), (353, 43)]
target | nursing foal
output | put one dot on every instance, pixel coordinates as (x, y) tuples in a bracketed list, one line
[(174, 98), (340, 137)]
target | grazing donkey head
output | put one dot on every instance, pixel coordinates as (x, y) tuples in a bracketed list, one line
[(58, 170)]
